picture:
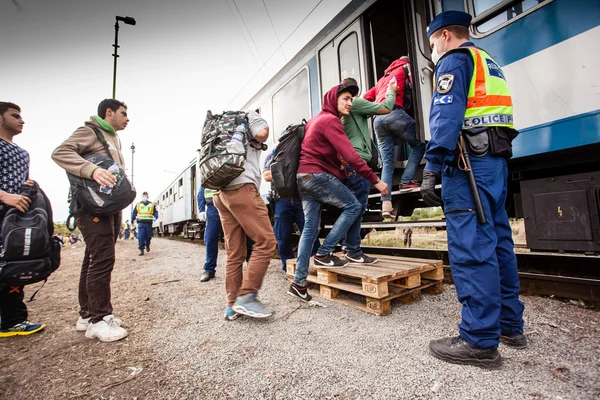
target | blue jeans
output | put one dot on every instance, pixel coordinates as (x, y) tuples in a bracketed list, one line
[(288, 212), (397, 125), (482, 257), (359, 187), (212, 231), (144, 235), (315, 190)]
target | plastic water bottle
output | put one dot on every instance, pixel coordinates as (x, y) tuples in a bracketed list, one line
[(393, 80), (113, 169), (236, 145)]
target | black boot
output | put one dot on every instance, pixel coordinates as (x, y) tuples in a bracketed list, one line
[(141, 253), (456, 350), (207, 276), (516, 341), (148, 249)]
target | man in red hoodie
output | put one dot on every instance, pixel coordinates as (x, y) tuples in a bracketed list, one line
[(395, 125), (325, 150)]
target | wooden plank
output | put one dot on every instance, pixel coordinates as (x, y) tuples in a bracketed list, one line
[(435, 275), (408, 282), (430, 261), (328, 293), (377, 290)]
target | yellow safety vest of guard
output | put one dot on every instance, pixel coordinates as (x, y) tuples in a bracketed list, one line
[(489, 102), (145, 211), (208, 193)]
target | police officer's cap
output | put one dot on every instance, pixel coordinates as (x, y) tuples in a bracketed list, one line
[(145, 193), (448, 18)]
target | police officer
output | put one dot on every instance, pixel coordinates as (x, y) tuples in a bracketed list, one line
[(145, 213), (472, 95)]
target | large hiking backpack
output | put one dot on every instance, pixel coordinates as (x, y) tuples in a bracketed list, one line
[(286, 159), (86, 193), (221, 158), (29, 251)]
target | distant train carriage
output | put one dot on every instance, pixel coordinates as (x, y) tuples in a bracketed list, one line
[(546, 51)]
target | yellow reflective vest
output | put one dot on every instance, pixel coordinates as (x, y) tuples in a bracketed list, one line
[(145, 211)]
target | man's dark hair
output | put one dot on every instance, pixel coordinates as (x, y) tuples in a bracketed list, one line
[(4, 106), (348, 81), (461, 32), (109, 103)]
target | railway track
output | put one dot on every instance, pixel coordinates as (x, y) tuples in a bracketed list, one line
[(571, 276)]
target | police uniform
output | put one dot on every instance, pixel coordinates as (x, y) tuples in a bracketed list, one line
[(144, 212), (471, 93)]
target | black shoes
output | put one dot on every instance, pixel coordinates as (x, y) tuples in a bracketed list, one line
[(329, 261), (141, 253), (456, 350), (363, 259), (148, 249), (299, 292), (207, 276), (516, 341)]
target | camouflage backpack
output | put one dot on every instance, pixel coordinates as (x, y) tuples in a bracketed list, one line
[(222, 159)]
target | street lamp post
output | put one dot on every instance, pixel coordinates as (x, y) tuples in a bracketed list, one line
[(128, 21)]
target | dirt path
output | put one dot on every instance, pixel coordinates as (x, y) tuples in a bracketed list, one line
[(179, 346)]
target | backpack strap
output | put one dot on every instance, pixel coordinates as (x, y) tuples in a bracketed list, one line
[(34, 293), (102, 140)]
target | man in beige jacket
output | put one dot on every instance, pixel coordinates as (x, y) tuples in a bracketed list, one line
[(99, 233)]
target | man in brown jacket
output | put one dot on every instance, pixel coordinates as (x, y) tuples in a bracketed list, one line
[(99, 233)]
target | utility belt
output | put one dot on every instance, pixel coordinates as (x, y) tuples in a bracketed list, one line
[(144, 220), (495, 140)]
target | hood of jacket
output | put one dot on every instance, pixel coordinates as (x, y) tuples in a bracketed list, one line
[(398, 63), (330, 102)]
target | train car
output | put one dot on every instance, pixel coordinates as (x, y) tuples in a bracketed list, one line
[(177, 206), (546, 50)]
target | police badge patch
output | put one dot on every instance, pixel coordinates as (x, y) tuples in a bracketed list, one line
[(444, 83)]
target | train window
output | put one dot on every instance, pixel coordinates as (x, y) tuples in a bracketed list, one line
[(349, 58), (328, 67), (291, 103), (180, 188), (491, 15)]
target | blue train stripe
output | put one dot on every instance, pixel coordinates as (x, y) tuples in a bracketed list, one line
[(545, 27), (578, 130), (313, 73)]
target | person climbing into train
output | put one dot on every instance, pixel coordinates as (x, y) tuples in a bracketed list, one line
[(325, 151), (397, 125), (356, 126), (472, 99)]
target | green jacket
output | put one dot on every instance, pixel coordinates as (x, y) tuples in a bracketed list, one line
[(358, 132)]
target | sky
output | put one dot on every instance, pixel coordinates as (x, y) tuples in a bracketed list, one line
[(182, 58)]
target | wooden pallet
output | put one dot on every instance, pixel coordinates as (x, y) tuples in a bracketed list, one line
[(372, 287)]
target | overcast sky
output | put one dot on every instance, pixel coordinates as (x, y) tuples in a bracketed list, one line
[(182, 58)]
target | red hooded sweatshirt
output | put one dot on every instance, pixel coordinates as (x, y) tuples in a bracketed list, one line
[(325, 141), (378, 92)]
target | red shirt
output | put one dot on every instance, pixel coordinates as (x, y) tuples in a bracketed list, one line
[(377, 93), (325, 144)]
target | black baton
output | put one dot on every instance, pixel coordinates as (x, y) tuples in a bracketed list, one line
[(472, 183)]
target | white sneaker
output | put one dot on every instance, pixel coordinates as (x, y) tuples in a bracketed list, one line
[(82, 323), (106, 330)]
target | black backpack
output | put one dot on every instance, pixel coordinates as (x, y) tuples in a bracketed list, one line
[(29, 252), (86, 193), (286, 159), (408, 97)]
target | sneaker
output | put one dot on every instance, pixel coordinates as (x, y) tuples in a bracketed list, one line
[(516, 341), (456, 350), (300, 292), (410, 185), (207, 276), (247, 304), (106, 330), (363, 259), (22, 329), (389, 214), (329, 261), (83, 323), (148, 249), (230, 315), (141, 253)]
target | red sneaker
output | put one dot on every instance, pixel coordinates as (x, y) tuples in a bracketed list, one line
[(410, 185)]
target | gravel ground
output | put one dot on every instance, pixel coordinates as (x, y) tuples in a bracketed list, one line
[(182, 347)]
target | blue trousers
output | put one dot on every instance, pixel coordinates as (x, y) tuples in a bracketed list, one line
[(144, 234), (315, 190), (288, 212), (359, 187), (397, 125), (212, 232), (482, 258), (127, 233), (211, 237)]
